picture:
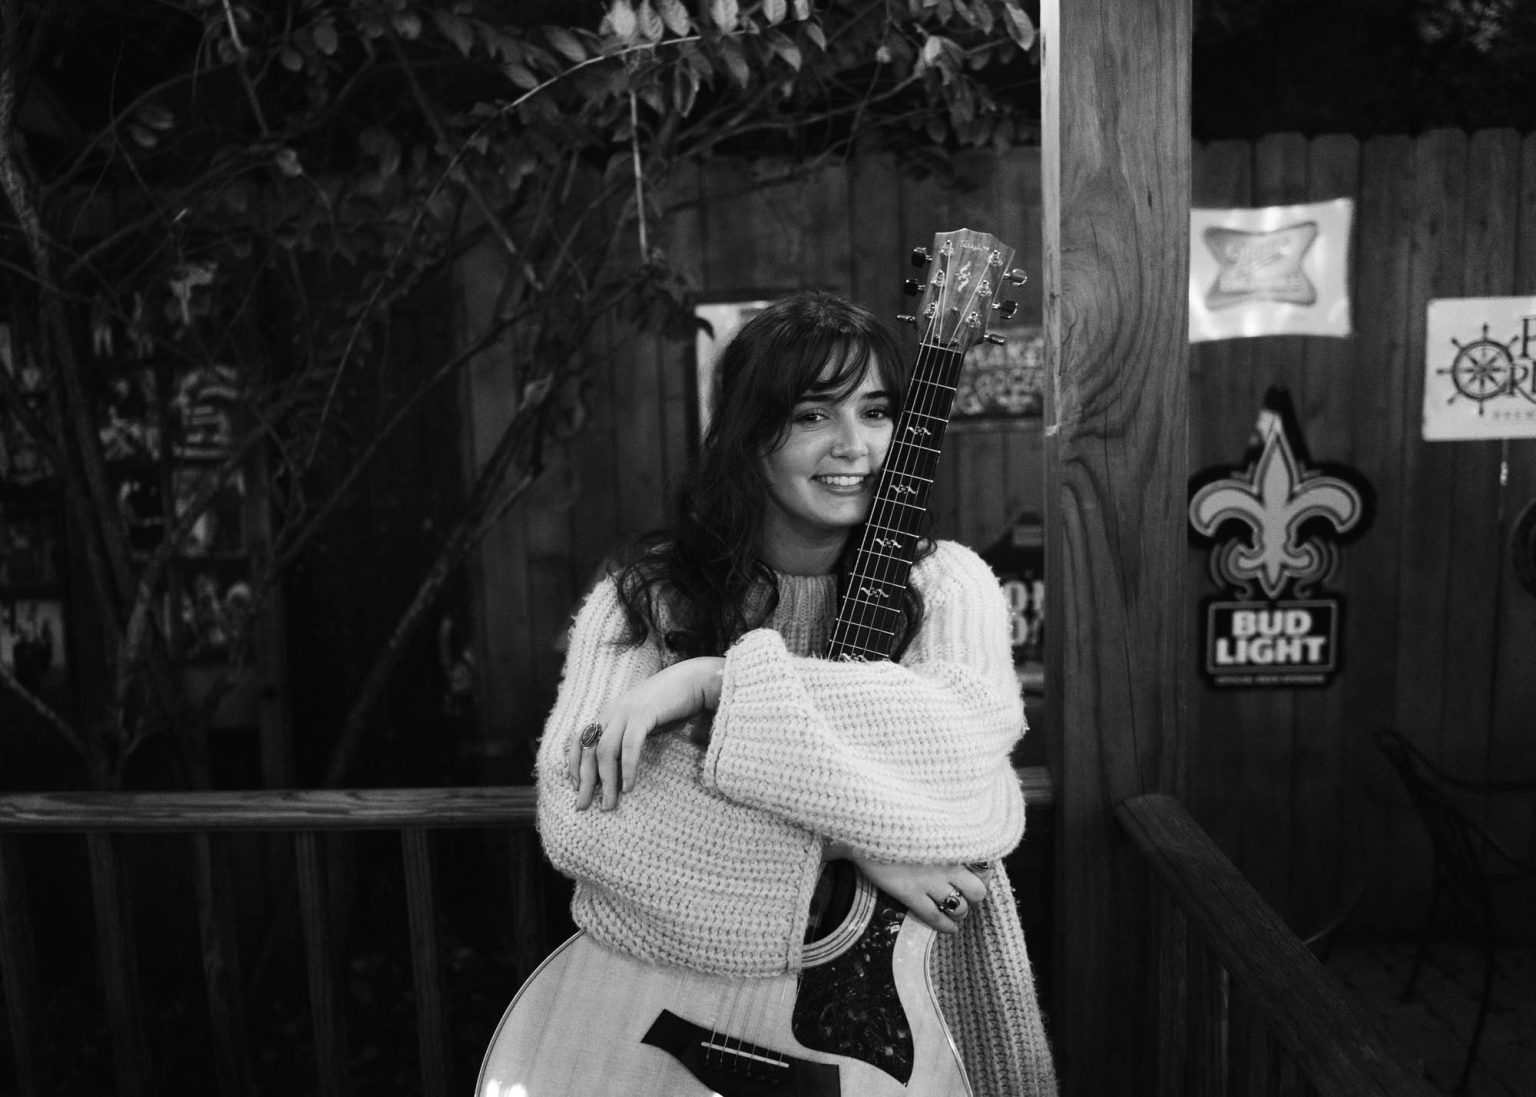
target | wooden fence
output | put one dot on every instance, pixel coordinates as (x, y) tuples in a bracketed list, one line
[(1437, 635)]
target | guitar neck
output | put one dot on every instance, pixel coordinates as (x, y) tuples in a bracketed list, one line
[(965, 271), (869, 613)]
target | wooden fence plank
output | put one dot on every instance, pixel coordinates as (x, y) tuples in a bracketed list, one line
[(1170, 938), (116, 951), (221, 962), (1511, 747), (1017, 204), (595, 532), (426, 964), (1381, 415), (1428, 471), (877, 246), (18, 972), (1223, 407), (1266, 717), (1207, 1021), (549, 512), (1324, 393), (1476, 544), (326, 1004)]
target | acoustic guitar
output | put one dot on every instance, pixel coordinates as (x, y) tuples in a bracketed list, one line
[(861, 1019)]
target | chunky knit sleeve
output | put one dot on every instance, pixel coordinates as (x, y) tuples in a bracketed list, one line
[(677, 874), (902, 761)]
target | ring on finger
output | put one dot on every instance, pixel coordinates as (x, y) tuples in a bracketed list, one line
[(591, 734), (950, 904)]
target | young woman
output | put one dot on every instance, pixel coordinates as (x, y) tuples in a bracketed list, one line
[(702, 763)]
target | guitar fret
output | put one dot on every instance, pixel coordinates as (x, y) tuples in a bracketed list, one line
[(914, 445), (869, 628)]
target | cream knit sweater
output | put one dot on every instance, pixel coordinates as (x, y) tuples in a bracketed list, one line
[(711, 861)]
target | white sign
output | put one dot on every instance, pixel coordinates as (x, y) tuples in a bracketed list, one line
[(1280, 270), (1479, 354)]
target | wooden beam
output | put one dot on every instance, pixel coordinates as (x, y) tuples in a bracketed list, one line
[(1115, 183)]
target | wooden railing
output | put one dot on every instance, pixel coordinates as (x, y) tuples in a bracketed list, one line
[(1244, 1007), (207, 818)]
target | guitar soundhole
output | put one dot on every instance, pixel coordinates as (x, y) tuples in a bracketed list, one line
[(849, 1006)]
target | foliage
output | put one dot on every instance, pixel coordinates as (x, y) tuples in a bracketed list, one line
[(250, 193)]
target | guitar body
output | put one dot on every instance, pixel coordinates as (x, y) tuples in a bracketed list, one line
[(597, 1023)]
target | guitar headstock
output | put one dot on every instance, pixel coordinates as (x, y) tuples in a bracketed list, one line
[(960, 296)]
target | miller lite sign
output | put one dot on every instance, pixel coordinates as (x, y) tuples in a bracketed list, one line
[(1274, 527)]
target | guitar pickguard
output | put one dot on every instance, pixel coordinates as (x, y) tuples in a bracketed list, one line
[(849, 1005)]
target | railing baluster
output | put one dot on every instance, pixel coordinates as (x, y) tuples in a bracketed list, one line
[(119, 964), (426, 962), (18, 971), (1207, 1022), (325, 1004), (1172, 967), (221, 962)]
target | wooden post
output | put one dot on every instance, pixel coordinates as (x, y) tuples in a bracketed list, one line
[(1116, 178)]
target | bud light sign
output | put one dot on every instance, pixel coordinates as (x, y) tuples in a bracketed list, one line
[(1294, 644), (1273, 528)]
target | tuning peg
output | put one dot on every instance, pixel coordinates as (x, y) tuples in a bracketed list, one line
[(911, 287), (902, 319), (920, 257), (1017, 276), (1006, 309), (993, 337)]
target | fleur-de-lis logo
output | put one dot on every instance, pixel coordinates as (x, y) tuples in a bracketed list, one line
[(1275, 497)]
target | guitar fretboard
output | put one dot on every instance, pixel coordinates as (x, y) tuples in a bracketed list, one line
[(869, 614)]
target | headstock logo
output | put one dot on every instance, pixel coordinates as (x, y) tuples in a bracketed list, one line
[(1274, 527)]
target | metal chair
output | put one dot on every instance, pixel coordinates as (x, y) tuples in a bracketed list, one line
[(1463, 850)]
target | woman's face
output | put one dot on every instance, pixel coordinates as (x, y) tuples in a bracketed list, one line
[(821, 478)]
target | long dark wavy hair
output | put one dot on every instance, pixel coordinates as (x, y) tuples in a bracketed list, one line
[(693, 585)]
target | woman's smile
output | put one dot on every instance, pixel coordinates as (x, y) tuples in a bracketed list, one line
[(842, 483)]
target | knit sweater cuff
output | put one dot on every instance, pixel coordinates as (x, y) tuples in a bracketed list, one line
[(756, 665)]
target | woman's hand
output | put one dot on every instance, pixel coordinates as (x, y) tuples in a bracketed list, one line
[(610, 755), (924, 889)]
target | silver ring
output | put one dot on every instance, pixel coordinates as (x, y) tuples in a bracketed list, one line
[(591, 734), (951, 902)]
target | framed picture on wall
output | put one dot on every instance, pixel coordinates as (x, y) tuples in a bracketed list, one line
[(32, 642), (719, 321), (29, 550), (1004, 380)]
